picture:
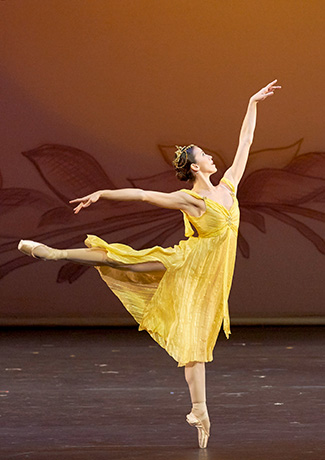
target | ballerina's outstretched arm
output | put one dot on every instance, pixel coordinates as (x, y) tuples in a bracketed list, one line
[(237, 169), (174, 200)]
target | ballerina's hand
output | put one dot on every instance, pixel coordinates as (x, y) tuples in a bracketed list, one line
[(85, 201), (265, 92)]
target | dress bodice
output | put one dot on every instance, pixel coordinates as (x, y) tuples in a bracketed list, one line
[(216, 218)]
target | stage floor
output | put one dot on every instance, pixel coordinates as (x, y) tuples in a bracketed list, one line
[(112, 393)]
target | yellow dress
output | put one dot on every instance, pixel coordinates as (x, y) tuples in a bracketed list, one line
[(182, 307)]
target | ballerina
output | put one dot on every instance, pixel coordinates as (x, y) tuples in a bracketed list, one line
[(179, 295)]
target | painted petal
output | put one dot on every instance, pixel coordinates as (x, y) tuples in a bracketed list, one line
[(243, 246), (57, 216), (306, 231), (164, 182), (18, 262), (270, 186), (276, 158), (11, 198), (67, 171), (306, 212), (70, 272), (310, 164), (320, 198), (253, 217)]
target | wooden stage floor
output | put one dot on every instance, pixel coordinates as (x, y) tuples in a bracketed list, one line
[(112, 393)]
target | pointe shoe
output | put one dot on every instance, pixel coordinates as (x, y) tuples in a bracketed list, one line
[(202, 428), (28, 247)]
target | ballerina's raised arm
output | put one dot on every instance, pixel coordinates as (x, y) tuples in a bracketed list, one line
[(237, 169)]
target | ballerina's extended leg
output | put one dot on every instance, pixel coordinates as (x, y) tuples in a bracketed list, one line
[(198, 417), (85, 256)]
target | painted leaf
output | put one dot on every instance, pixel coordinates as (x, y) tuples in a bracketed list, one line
[(302, 228), (15, 263), (67, 171), (310, 164), (243, 245), (11, 198), (320, 198), (276, 158), (164, 182), (306, 212), (252, 217), (279, 186), (57, 216), (71, 272)]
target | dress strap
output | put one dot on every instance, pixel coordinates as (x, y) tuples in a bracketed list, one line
[(188, 227), (230, 185)]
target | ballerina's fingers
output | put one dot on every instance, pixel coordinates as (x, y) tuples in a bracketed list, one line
[(82, 205), (272, 83), (271, 86), (79, 200), (269, 90), (270, 93), (77, 208)]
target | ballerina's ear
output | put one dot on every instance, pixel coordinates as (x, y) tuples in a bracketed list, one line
[(194, 167)]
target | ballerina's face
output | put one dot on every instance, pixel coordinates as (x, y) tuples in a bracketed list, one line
[(203, 161)]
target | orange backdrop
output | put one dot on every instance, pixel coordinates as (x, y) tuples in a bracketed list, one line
[(95, 93)]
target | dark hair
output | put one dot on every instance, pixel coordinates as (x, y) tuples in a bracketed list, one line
[(182, 163)]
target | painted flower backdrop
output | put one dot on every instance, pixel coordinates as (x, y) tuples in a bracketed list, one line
[(278, 182)]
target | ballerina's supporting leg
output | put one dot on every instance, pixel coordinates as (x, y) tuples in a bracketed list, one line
[(85, 256), (199, 417)]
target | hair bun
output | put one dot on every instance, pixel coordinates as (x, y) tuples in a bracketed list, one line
[(184, 157)]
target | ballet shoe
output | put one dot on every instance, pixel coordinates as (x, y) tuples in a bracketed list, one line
[(203, 428), (28, 247)]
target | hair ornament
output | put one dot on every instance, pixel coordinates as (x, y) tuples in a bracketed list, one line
[(180, 150)]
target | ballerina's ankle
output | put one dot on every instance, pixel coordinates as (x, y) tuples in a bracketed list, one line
[(200, 410)]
